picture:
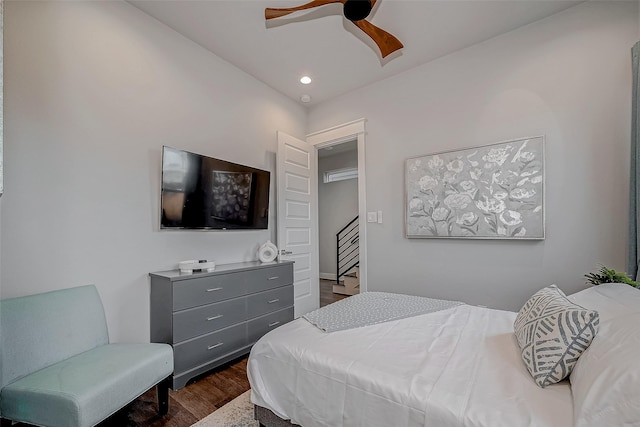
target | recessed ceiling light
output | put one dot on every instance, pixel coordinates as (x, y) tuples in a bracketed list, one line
[(305, 98), (305, 80)]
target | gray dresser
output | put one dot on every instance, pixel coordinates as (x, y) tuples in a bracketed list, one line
[(212, 318)]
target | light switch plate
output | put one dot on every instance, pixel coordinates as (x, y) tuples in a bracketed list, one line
[(379, 217), (372, 217)]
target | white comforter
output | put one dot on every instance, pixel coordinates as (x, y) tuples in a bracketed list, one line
[(456, 367)]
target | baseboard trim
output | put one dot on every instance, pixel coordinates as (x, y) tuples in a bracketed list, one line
[(327, 276)]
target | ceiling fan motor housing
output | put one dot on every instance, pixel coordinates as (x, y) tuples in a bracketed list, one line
[(356, 10)]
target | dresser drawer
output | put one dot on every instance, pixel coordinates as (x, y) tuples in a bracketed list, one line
[(207, 348), (269, 301), (269, 278), (260, 326), (207, 290), (208, 318)]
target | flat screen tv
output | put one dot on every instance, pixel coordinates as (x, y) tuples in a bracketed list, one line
[(200, 192)]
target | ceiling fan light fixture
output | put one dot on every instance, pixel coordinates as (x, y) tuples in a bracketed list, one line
[(305, 80)]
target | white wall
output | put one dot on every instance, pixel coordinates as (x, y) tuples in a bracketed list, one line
[(567, 77), (337, 205), (92, 92)]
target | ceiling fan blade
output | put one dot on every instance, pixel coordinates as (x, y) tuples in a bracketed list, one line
[(385, 41), (271, 12)]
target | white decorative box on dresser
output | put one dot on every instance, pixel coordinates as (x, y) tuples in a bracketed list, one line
[(212, 318)]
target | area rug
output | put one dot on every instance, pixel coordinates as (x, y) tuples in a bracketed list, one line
[(237, 413)]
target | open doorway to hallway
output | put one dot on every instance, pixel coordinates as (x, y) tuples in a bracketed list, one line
[(338, 222)]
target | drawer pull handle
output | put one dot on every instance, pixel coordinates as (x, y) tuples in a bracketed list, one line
[(273, 300), (214, 317), (274, 277), (272, 324), (211, 347), (214, 289)]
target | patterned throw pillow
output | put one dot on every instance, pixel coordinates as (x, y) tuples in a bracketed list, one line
[(552, 333)]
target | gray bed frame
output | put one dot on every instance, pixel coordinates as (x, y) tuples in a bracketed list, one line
[(266, 418)]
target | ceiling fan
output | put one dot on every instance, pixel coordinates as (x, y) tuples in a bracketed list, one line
[(355, 11)]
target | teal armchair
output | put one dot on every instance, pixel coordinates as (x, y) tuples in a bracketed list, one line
[(59, 368)]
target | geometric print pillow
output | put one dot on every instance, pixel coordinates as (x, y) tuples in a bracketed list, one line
[(552, 333)]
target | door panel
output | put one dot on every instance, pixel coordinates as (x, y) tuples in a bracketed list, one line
[(297, 218)]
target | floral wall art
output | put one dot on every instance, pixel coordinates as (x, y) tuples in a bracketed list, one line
[(490, 192)]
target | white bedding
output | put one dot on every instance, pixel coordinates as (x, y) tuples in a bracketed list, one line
[(606, 380), (456, 367)]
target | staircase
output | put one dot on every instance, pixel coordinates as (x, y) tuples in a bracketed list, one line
[(350, 285), (348, 259)]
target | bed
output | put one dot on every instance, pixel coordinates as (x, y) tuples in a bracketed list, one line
[(459, 366)]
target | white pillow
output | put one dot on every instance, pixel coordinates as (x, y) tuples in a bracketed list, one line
[(609, 299), (552, 333), (605, 381)]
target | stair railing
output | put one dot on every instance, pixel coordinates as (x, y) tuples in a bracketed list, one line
[(347, 248)]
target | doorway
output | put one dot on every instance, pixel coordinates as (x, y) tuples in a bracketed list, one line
[(338, 220), (341, 202)]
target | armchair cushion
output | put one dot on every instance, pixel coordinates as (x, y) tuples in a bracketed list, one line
[(84, 389)]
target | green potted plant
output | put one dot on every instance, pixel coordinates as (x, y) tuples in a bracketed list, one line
[(609, 275)]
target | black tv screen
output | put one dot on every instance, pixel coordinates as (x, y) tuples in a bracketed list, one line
[(200, 192)]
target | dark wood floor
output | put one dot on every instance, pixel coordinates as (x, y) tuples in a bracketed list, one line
[(326, 293), (201, 397)]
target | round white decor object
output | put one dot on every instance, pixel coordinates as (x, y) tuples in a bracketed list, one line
[(267, 252)]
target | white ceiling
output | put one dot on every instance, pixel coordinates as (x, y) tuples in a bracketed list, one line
[(338, 149), (329, 48)]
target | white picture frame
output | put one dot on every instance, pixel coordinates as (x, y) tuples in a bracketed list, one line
[(494, 191)]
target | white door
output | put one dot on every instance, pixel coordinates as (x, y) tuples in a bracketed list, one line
[(297, 218)]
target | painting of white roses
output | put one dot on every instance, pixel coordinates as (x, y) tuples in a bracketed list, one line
[(491, 192)]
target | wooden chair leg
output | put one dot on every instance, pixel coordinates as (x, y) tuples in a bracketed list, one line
[(163, 396)]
